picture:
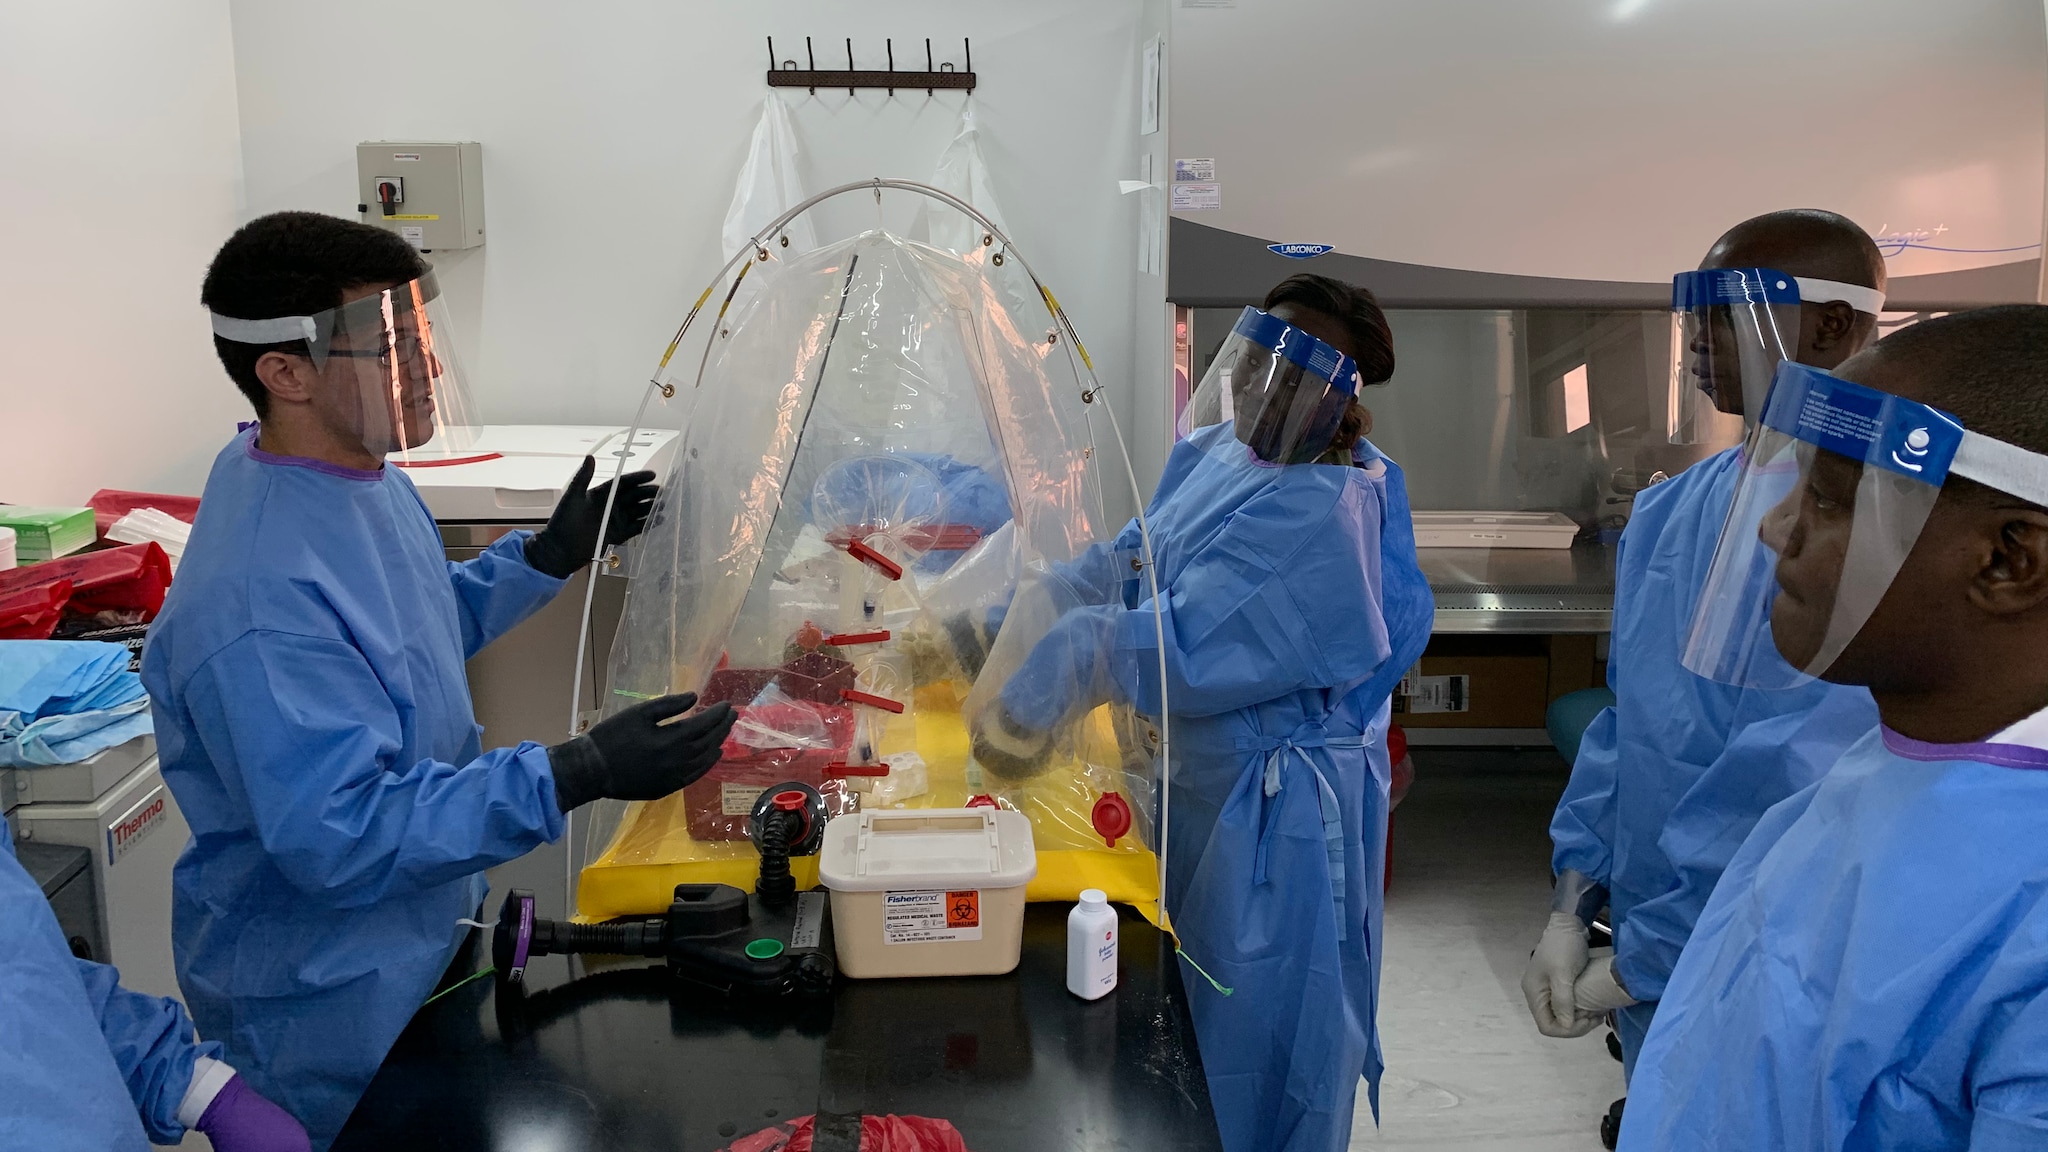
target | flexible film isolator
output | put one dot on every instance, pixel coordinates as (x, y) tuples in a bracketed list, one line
[(776, 941)]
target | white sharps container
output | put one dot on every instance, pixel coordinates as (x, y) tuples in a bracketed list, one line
[(932, 892)]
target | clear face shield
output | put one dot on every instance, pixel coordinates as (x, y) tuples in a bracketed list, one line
[(1284, 390), (1729, 329), (387, 370), (1837, 482)]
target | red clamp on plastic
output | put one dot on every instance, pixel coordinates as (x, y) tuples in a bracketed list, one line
[(846, 639), (450, 461), (860, 551), (1111, 817), (982, 801), (842, 768), (954, 538), (871, 700)]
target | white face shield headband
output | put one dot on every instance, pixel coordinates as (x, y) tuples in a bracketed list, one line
[(389, 367)]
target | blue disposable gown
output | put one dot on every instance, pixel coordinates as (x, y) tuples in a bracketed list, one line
[(1872, 972), (1655, 805), (314, 722), (1292, 605), (84, 1063)]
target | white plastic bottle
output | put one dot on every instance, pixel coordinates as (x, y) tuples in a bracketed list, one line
[(1091, 946)]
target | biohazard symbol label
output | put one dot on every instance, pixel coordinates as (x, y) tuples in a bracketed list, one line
[(930, 916)]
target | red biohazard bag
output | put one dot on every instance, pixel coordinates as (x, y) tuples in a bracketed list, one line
[(1403, 778), (32, 613), (877, 1134), (110, 504), (1402, 764), (131, 578)]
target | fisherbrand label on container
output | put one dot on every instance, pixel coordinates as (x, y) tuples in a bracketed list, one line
[(931, 917)]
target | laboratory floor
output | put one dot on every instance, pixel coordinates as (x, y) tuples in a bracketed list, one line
[(1465, 1066)]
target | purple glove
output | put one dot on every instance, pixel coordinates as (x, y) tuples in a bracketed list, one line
[(241, 1120)]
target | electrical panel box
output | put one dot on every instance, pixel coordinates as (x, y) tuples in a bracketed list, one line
[(432, 194)]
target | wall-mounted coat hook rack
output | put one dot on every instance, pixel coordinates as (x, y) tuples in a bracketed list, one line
[(786, 74)]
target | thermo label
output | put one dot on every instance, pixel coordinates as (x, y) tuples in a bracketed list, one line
[(131, 827), (931, 917)]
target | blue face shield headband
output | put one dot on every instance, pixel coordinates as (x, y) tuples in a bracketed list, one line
[(1729, 329), (1284, 390), (1838, 480)]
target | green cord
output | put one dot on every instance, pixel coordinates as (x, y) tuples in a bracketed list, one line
[(476, 976), (633, 695), (1177, 952)]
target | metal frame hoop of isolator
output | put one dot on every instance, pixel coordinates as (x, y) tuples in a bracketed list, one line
[(756, 251)]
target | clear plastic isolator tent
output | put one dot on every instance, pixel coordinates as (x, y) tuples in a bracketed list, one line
[(888, 483)]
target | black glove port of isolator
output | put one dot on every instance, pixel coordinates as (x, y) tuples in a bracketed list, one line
[(775, 941)]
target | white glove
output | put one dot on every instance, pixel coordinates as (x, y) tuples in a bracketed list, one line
[(1598, 990), (1555, 967)]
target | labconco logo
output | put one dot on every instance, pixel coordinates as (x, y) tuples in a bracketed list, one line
[(1299, 251)]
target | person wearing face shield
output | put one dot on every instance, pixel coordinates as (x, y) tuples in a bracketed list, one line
[(1872, 970), (307, 680), (1290, 603), (1657, 801)]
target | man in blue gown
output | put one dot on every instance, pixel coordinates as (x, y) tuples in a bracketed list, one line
[(1656, 805), (1872, 970), (307, 675)]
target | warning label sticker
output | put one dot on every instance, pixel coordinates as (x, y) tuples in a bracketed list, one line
[(1435, 694), (810, 920), (738, 799), (931, 917)]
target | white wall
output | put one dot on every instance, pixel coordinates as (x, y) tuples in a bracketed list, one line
[(1152, 389), (119, 177), (612, 138)]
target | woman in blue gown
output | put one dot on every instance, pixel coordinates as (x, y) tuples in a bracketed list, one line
[(1290, 604)]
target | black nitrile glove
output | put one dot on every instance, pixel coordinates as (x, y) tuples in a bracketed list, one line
[(1007, 746), (570, 539), (634, 756)]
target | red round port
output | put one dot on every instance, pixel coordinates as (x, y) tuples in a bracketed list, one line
[(1111, 817)]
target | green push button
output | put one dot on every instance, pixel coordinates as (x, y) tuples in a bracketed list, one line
[(764, 949)]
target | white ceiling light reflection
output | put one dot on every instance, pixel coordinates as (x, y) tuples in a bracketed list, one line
[(542, 1117), (538, 1134)]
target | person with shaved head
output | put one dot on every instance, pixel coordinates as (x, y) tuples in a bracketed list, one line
[(1658, 802), (1871, 974)]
